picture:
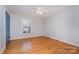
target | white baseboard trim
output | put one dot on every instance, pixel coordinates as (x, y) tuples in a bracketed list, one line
[(64, 41), (26, 37)]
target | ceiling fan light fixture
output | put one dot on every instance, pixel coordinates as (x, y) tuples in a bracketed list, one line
[(39, 12)]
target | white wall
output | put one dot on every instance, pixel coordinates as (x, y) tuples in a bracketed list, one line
[(2, 29), (62, 26), (16, 26)]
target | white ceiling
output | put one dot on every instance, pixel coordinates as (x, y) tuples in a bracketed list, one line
[(32, 9)]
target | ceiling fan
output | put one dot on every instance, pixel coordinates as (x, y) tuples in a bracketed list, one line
[(39, 10)]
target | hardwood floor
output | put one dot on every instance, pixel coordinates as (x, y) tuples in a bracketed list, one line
[(40, 45)]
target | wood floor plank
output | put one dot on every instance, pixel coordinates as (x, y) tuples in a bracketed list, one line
[(40, 45)]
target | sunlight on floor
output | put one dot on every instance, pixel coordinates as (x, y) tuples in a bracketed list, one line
[(27, 46)]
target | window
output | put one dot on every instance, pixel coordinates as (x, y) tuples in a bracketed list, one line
[(26, 26)]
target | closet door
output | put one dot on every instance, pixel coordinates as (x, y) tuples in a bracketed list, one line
[(7, 28)]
